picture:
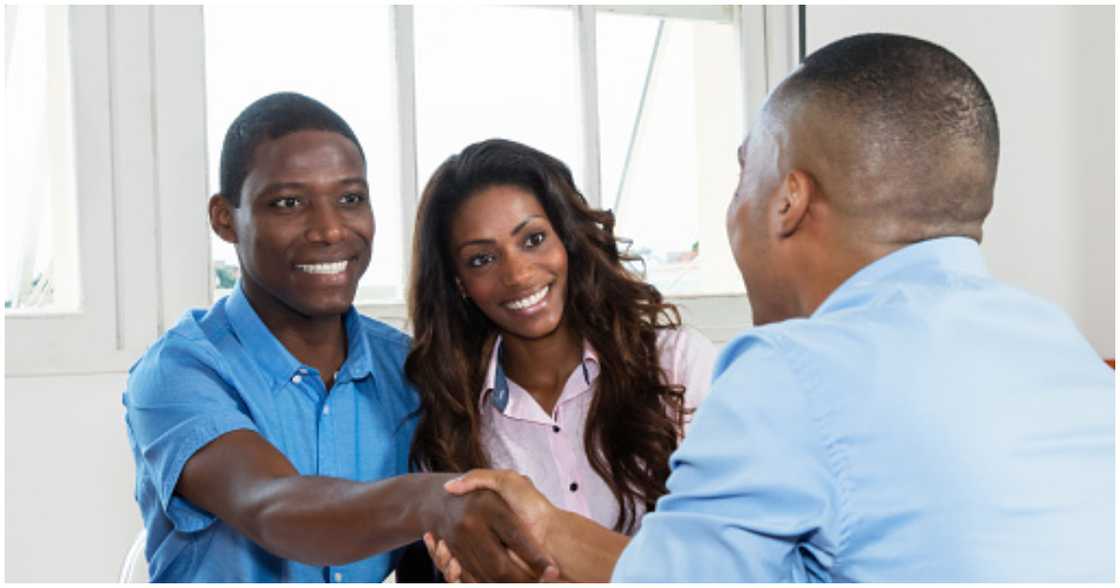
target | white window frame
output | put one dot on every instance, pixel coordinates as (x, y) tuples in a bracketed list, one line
[(141, 174)]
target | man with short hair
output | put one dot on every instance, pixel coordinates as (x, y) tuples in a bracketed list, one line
[(897, 414), (271, 432)]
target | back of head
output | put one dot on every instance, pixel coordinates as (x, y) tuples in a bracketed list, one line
[(904, 133), (269, 118)]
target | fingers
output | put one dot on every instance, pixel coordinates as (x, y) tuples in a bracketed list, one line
[(453, 572), (441, 556)]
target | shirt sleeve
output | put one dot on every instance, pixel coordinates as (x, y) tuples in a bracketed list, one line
[(688, 358), (175, 403), (751, 496)]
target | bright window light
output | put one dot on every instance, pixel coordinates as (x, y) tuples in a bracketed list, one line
[(487, 71), (42, 232), (670, 116)]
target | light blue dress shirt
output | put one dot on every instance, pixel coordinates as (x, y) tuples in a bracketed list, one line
[(927, 423), (221, 370)]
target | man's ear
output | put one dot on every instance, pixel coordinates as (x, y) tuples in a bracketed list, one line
[(798, 188), (221, 218)]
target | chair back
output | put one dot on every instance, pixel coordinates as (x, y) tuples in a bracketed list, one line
[(134, 569)]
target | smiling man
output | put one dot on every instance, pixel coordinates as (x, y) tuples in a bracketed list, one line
[(271, 432), (896, 413)]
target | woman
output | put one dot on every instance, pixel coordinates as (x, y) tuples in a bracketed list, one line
[(534, 348)]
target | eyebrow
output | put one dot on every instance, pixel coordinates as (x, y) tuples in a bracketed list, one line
[(280, 186), (517, 229)]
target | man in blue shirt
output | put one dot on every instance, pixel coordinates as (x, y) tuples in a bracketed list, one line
[(271, 432), (896, 414)]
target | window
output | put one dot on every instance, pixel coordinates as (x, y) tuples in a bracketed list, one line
[(42, 233), (670, 115), (484, 72), (113, 110), (646, 105)]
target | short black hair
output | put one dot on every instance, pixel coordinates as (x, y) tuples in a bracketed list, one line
[(919, 109), (267, 119), (922, 84)]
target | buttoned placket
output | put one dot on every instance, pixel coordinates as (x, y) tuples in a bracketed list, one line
[(565, 450), (307, 379), (328, 465)]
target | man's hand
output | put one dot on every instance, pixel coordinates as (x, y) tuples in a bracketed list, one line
[(479, 528), (584, 550), (518, 492)]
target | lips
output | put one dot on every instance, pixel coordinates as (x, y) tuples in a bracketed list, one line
[(530, 300)]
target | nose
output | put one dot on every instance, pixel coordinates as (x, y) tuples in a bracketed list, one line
[(325, 225), (516, 270)]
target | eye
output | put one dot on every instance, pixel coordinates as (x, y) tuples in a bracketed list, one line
[(480, 260), (352, 198), (534, 240), (286, 202)]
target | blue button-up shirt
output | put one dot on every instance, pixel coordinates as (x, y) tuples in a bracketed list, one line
[(926, 423), (221, 370)]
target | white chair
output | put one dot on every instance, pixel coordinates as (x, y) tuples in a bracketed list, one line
[(134, 570)]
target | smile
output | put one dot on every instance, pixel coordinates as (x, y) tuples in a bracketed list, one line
[(529, 300), (333, 267)]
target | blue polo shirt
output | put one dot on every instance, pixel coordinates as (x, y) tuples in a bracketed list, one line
[(926, 423), (221, 370)]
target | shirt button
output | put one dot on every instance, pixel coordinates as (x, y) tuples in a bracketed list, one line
[(297, 379), (573, 487), (555, 428), (303, 370), (338, 576), (326, 410)]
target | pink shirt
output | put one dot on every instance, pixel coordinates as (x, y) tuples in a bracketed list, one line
[(548, 448)]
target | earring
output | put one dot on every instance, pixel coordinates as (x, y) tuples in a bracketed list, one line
[(462, 291)]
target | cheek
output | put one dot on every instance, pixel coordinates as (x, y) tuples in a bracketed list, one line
[(364, 224)]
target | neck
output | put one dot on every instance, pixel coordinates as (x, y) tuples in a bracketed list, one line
[(833, 267), (317, 341), (543, 365)]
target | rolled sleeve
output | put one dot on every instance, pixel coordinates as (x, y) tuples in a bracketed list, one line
[(176, 403), (751, 496)]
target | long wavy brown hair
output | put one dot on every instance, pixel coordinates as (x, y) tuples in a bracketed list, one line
[(636, 415)]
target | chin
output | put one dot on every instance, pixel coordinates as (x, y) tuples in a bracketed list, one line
[(323, 308)]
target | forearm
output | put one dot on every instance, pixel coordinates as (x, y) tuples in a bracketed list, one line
[(331, 521), (585, 550)]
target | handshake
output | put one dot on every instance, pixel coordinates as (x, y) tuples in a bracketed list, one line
[(544, 544)]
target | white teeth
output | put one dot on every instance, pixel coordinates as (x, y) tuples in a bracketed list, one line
[(528, 300), (334, 267)]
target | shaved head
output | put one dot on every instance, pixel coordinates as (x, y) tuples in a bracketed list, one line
[(899, 133)]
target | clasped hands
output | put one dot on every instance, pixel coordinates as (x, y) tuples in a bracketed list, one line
[(534, 510)]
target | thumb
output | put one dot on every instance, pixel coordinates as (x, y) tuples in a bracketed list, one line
[(473, 480)]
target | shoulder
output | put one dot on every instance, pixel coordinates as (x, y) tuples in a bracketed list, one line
[(183, 354), (683, 342), (687, 358)]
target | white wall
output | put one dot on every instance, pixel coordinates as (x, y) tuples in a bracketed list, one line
[(69, 512), (70, 515), (1051, 72)]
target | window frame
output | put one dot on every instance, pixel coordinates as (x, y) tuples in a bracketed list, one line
[(139, 97)]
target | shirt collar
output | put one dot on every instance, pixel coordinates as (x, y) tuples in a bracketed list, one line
[(359, 357), (954, 254), (268, 352), (496, 385)]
